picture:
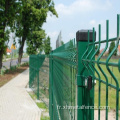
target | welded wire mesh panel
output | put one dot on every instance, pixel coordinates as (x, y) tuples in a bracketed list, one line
[(44, 81), (107, 75), (63, 82), (35, 63)]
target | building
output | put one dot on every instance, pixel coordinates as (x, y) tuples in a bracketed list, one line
[(118, 51), (8, 51), (59, 40), (106, 53), (101, 51)]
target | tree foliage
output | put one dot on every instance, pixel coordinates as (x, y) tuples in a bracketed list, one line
[(35, 41), (8, 13), (96, 47), (26, 18), (112, 45), (62, 43), (47, 47), (29, 24)]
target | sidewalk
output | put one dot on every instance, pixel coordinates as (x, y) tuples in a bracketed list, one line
[(15, 102)]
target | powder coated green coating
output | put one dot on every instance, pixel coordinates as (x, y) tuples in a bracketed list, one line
[(92, 68), (71, 68), (35, 63), (63, 82)]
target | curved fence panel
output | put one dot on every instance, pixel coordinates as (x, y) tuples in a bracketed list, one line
[(39, 77), (62, 82)]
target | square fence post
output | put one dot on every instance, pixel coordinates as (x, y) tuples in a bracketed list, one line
[(37, 66), (30, 71), (85, 96), (51, 86)]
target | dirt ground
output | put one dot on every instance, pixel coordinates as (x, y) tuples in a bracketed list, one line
[(11, 74), (111, 115)]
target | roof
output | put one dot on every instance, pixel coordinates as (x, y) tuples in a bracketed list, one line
[(119, 48), (101, 50), (8, 50)]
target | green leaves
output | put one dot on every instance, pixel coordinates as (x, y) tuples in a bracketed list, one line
[(47, 47), (8, 10), (35, 41), (36, 11), (26, 18), (96, 47), (112, 45)]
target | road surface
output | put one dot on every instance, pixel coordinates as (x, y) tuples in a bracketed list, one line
[(14, 62)]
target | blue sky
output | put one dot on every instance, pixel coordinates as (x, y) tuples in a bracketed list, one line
[(75, 15)]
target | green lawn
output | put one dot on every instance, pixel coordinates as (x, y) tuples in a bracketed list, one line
[(111, 91)]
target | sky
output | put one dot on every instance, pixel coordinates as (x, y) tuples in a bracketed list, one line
[(75, 15)]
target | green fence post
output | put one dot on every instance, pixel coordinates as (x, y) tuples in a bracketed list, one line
[(84, 96), (37, 66), (29, 72), (51, 86)]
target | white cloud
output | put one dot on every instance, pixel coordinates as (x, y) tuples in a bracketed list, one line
[(83, 6), (71, 35), (53, 34), (51, 18), (95, 23), (92, 22)]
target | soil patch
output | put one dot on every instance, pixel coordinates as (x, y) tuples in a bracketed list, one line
[(11, 74)]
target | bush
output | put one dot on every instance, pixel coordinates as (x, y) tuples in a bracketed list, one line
[(2, 72)]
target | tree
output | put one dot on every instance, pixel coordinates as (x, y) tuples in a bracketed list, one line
[(29, 24), (112, 45), (8, 10), (35, 42), (96, 47), (70, 44), (47, 47), (62, 43)]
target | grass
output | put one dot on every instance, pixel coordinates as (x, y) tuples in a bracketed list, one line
[(45, 118), (111, 91), (33, 96), (41, 105)]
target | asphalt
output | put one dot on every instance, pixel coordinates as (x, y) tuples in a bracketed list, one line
[(14, 62)]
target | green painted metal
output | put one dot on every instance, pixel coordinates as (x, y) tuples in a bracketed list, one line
[(84, 95), (62, 80), (37, 64), (119, 65), (51, 86), (73, 70), (98, 62), (88, 100)]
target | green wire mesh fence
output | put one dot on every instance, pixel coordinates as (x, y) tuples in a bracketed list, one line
[(103, 72), (62, 81), (44, 82), (39, 77), (69, 76), (68, 89)]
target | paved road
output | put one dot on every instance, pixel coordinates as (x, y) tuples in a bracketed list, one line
[(15, 102), (14, 62)]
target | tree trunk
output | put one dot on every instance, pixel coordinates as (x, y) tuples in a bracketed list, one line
[(1, 57), (21, 50)]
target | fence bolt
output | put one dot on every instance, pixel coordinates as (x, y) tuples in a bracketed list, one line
[(86, 82), (94, 82)]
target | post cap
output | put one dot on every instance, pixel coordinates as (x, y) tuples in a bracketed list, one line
[(82, 35)]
